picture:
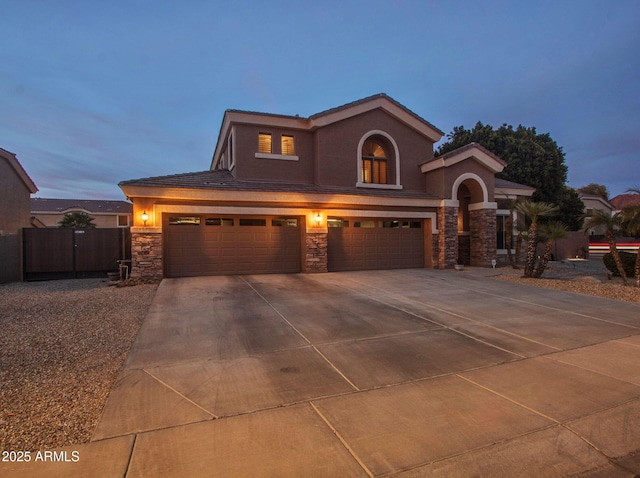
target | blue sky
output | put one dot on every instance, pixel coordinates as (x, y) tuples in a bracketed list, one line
[(93, 93)]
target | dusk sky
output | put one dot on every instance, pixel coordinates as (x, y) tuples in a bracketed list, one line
[(94, 93)]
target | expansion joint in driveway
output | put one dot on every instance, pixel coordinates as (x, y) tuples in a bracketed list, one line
[(342, 440), (184, 397), (300, 334)]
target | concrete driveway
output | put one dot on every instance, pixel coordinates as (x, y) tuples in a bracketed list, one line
[(388, 373)]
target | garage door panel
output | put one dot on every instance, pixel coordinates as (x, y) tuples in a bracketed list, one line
[(225, 246), (368, 248)]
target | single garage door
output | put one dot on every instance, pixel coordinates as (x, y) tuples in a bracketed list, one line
[(201, 245), (363, 244)]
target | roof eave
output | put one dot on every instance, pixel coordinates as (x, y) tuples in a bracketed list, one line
[(472, 151), (507, 193), (20, 171)]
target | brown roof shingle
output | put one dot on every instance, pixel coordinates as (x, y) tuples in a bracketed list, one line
[(223, 180)]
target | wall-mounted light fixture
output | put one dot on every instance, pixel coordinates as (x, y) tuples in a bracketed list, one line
[(145, 217), (318, 219)]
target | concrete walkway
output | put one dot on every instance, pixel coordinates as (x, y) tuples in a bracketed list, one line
[(389, 373)]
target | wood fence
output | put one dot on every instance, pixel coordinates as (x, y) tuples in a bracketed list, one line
[(57, 253)]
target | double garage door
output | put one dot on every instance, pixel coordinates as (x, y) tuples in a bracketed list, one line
[(367, 244), (218, 245), (198, 245)]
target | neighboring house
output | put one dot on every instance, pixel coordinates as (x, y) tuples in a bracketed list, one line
[(16, 187), (352, 188), (623, 200), (49, 212), (595, 203), (598, 245)]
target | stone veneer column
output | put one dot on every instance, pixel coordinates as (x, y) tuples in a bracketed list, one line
[(146, 252), (447, 236), (316, 252), (482, 223)]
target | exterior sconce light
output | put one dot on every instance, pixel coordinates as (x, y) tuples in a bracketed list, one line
[(318, 219), (144, 217)]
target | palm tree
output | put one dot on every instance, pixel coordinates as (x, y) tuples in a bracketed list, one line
[(534, 211), (631, 222), (79, 220), (551, 232), (611, 225)]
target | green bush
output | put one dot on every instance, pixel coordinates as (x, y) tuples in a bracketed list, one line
[(628, 262)]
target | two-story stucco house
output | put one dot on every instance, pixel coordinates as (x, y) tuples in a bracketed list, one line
[(352, 188)]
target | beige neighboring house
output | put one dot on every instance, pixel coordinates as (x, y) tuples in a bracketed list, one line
[(49, 212), (16, 188), (595, 203)]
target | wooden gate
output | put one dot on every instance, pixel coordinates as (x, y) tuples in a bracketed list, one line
[(59, 253)]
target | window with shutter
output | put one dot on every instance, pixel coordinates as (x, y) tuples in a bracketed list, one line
[(287, 145), (264, 143)]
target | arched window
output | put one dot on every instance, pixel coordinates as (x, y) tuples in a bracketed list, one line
[(374, 163)]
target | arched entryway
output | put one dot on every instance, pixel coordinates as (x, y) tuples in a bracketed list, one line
[(476, 221)]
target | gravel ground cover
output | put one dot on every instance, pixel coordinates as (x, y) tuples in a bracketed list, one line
[(580, 276), (62, 344)]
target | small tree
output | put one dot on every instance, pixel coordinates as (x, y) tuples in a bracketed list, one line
[(611, 225), (595, 189), (551, 232), (534, 211), (79, 220)]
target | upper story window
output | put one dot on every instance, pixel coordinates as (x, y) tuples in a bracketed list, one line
[(287, 144), (264, 143), (287, 150), (378, 161), (374, 163)]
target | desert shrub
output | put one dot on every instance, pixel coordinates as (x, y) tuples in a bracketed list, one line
[(628, 262)]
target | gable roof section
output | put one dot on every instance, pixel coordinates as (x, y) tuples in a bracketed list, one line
[(327, 117), (12, 159), (62, 206), (597, 199), (470, 151), (381, 101)]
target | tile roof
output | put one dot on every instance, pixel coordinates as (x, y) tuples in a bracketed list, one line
[(623, 200), (340, 108), (90, 205), (503, 183), (223, 180)]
